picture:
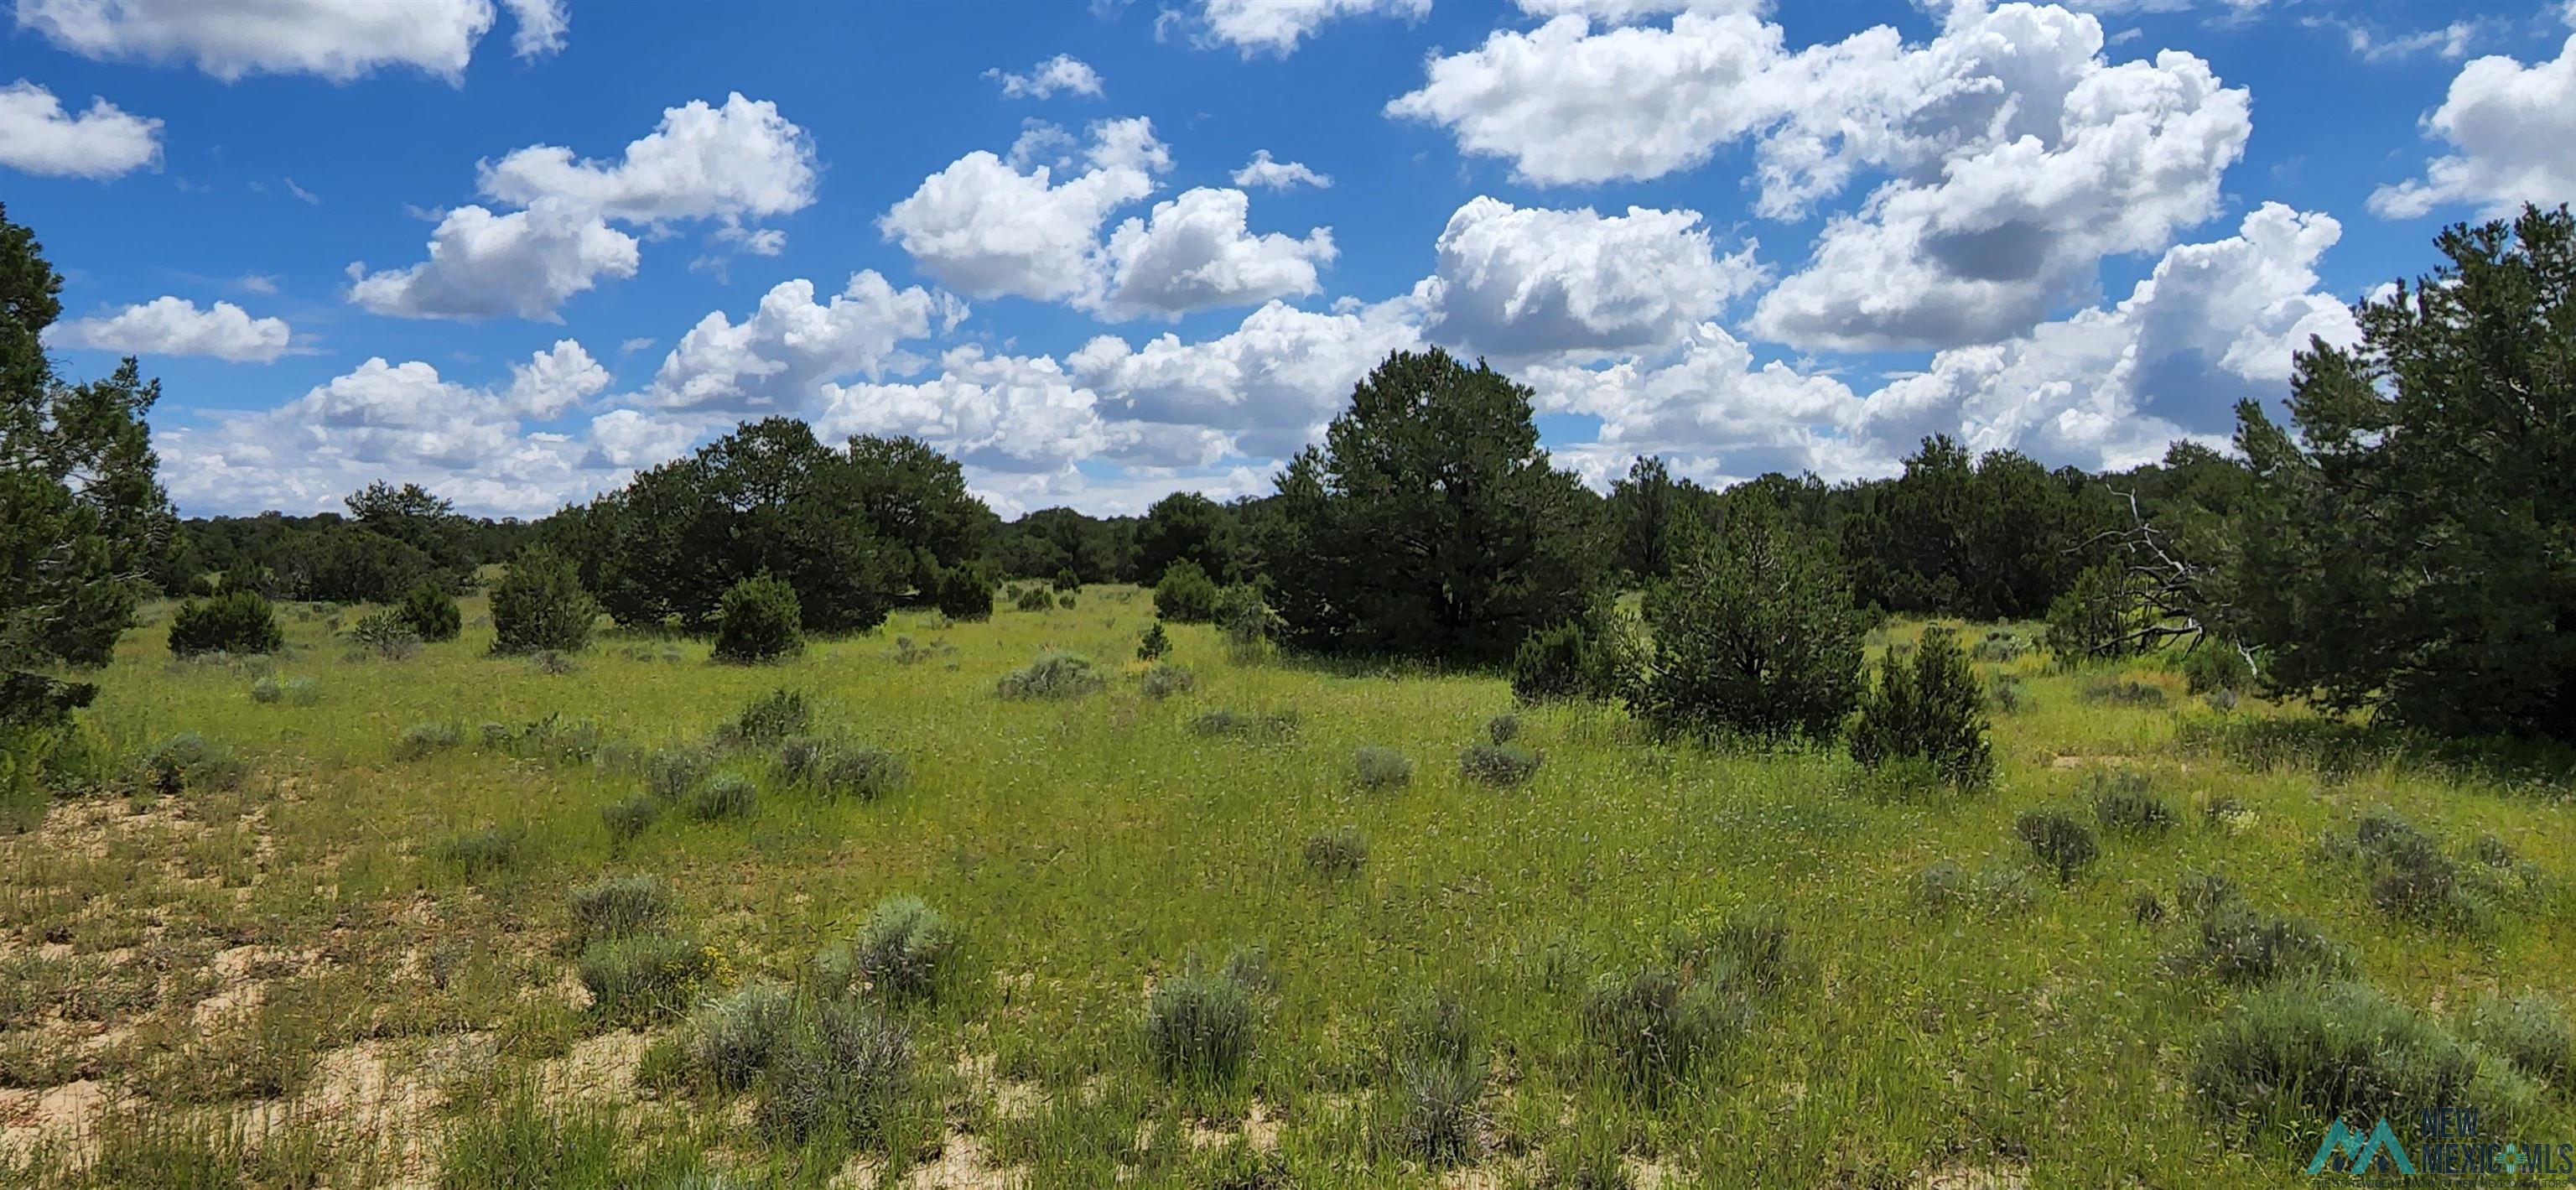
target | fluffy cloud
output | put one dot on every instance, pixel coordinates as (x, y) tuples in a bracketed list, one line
[(741, 160), (985, 228), (2214, 324), (1196, 254), (1263, 172), (2514, 129), (780, 357), (1708, 406), (1064, 73), (1008, 413), (1267, 386), (1516, 282), (175, 326), (632, 439), (338, 40), (1276, 26), (1625, 12), (554, 381), (482, 265), (542, 26), (37, 136)]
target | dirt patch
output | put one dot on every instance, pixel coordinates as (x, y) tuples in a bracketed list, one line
[(601, 1067), (31, 1119), (1960, 1177)]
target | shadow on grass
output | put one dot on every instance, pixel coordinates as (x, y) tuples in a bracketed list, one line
[(2340, 749)]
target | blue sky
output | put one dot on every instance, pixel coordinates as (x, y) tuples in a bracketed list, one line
[(1744, 238)]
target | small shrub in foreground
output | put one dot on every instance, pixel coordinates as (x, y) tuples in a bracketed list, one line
[(2345, 1051), (2123, 805), (1155, 644), (770, 718), (1652, 1027), (492, 849), (629, 817), (642, 977), (1932, 711), (1497, 764), (188, 760), (859, 772), (905, 951), (733, 1037), (2057, 840), (723, 796), (1052, 675), (2531, 1031), (616, 906), (1993, 891), (842, 1072), (670, 773), (760, 621), (1438, 1121), (1337, 854), (1555, 663), (1377, 768), (2238, 946), (1503, 728), (1202, 1025)]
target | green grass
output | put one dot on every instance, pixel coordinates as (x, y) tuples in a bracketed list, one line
[(1085, 851)]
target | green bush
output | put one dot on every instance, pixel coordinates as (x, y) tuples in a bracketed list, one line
[(191, 761), (2238, 946), (1254, 726), (1497, 764), (1201, 1025), (2057, 840), (1555, 663), (1155, 644), (480, 853), (299, 692), (2123, 805), (1377, 768), (2124, 692), (1931, 711), (1167, 679), (770, 718), (723, 796), (2215, 666), (1754, 634), (1052, 675), (2345, 1051), (1185, 594), (2531, 1031), (1035, 599), (432, 612), (1503, 728), (1652, 1027), (733, 1037), (670, 773), (629, 817), (1993, 891), (1337, 854), (2412, 879), (905, 951), (841, 1073), (643, 977), (859, 772), (386, 634), (616, 906), (425, 739), (2100, 616), (231, 622), (1067, 580), (760, 622), (964, 593), (540, 604)]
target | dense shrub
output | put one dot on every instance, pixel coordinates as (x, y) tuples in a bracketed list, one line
[(480, 853), (964, 593), (629, 816), (1931, 711), (2531, 1031), (232, 622), (2101, 616), (1652, 1027), (1166, 679), (432, 612), (1155, 644), (2217, 666), (1253, 726), (386, 634), (297, 692), (1337, 854), (539, 604), (723, 796), (733, 1037), (2124, 806), (191, 761), (770, 718), (1202, 1025), (1503, 728), (423, 739), (904, 951), (1497, 764), (1377, 768), (1034, 598), (2345, 1051), (1067, 580), (1555, 663), (2057, 840), (641, 977), (1244, 616), (2237, 945), (1754, 634), (1052, 675), (2410, 876), (616, 906), (760, 621), (842, 1073), (1185, 594), (670, 773)]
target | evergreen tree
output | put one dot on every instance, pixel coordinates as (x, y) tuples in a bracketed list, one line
[(1754, 633)]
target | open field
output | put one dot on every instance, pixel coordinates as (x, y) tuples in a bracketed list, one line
[(356, 964)]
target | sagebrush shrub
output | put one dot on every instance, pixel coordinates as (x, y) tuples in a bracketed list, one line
[(1503, 728), (2128, 692), (2008, 695), (2058, 840), (2531, 1031), (188, 760), (1166, 679), (1993, 891), (2412, 878), (629, 816), (844, 1071), (1255, 726), (2201, 893), (1931, 710), (552, 663), (266, 690), (386, 634), (2345, 1051), (904, 951), (491, 849), (424, 739), (2239, 946), (723, 796), (2123, 805), (231, 622), (1185, 594), (733, 1037), (670, 773), (431, 612), (2000, 647), (615, 906), (1497, 764), (1378, 768), (760, 620), (1202, 1025), (540, 604), (861, 772), (1652, 1027), (1337, 854), (1053, 675), (643, 977), (771, 717)]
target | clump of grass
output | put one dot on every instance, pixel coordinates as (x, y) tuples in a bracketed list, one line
[(1749, 949), (2008, 694), (1254, 726), (553, 663), (733, 1037), (629, 817), (723, 796), (2202, 893), (2124, 692), (1377, 769), (2530, 1031), (841, 1073), (2345, 1051), (643, 977), (2146, 908), (616, 906), (2410, 876), (1337, 854), (427, 739), (481, 853), (1166, 679), (1995, 890), (770, 718), (1203, 1025), (521, 1142), (2064, 845), (1503, 728), (1053, 675), (266, 690), (191, 761), (2239, 946), (671, 773), (1651, 1028), (1497, 764), (2123, 805), (553, 738), (801, 757), (2226, 812), (859, 771), (904, 951), (1440, 1077)]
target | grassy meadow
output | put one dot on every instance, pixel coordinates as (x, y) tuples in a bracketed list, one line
[(345, 955)]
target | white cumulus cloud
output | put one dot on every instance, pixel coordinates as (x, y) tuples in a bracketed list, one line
[(38, 136), (483, 265), (2513, 129), (1195, 253), (741, 160), (780, 356), (175, 326), (1276, 26), (1268, 174), (1522, 282), (1062, 73), (338, 40)]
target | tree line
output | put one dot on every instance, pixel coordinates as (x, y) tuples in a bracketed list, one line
[(2404, 543)]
